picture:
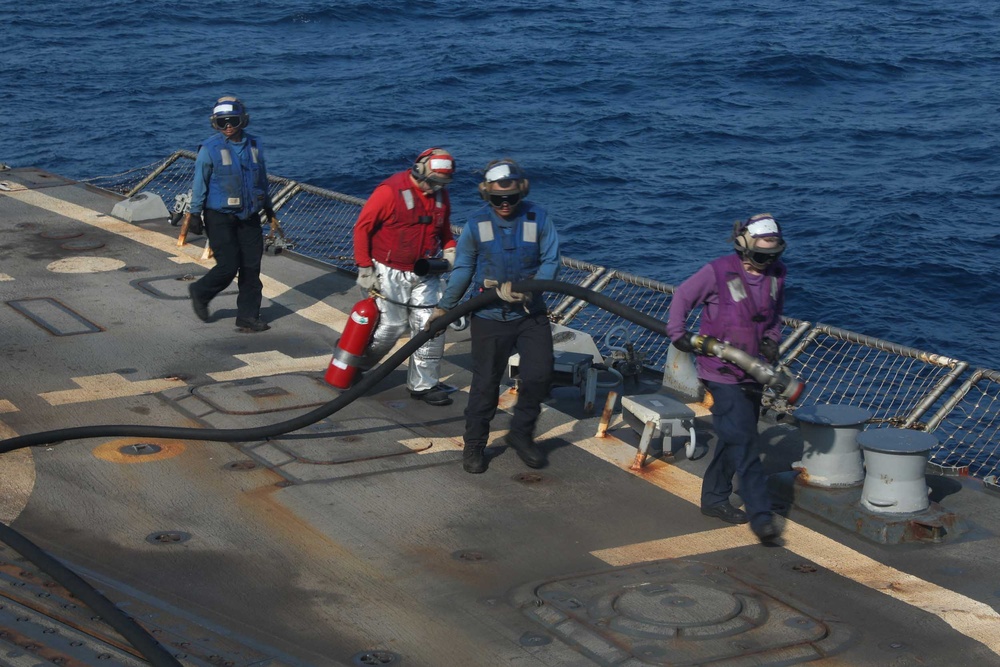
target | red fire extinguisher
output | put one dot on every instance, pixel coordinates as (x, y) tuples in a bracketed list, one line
[(347, 357)]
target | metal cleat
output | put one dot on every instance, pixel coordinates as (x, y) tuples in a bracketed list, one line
[(182, 204)]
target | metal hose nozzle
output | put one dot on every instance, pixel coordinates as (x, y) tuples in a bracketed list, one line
[(778, 378)]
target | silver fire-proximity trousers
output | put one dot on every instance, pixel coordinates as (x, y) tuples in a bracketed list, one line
[(408, 302)]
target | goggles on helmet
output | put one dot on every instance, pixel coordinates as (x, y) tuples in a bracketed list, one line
[(223, 122), (512, 199), (761, 257)]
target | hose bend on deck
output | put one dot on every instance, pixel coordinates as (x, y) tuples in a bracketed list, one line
[(371, 378)]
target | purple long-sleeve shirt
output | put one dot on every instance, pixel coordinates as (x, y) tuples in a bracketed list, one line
[(702, 289)]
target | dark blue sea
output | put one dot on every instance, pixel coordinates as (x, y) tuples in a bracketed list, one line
[(867, 127)]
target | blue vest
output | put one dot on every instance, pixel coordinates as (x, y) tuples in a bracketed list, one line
[(238, 184), (509, 253)]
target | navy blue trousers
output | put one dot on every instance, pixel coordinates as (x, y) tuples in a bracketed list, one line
[(238, 246), (735, 411), (493, 341)]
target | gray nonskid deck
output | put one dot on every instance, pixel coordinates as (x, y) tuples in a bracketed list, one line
[(361, 538)]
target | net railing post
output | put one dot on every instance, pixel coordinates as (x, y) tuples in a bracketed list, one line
[(599, 287), (156, 172), (953, 400), (936, 392), (555, 313)]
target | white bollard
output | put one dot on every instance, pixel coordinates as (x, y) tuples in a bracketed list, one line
[(831, 456), (895, 462)]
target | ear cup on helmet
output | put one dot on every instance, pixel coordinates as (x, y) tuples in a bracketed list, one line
[(418, 165), (741, 242)]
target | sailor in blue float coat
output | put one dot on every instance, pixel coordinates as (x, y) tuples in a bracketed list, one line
[(230, 190), (509, 239)]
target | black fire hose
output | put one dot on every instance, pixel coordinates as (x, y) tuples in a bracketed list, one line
[(124, 624), (370, 379)]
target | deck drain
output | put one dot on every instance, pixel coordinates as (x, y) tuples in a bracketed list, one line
[(240, 465), (366, 658), (60, 236), (470, 556), (528, 478), (168, 537), (82, 245), (534, 639), (140, 449), (893, 646), (805, 568)]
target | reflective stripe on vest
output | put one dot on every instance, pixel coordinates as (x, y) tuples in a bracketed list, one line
[(485, 231)]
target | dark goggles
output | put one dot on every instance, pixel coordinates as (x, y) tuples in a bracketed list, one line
[(763, 257), (500, 200), (228, 121)]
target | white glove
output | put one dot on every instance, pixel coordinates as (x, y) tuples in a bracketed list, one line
[(366, 277), (436, 313), (449, 256), (509, 295)]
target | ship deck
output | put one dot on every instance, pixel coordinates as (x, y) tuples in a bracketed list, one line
[(359, 539)]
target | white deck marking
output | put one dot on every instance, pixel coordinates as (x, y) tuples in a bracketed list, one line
[(107, 385), (5, 278), (271, 362), (973, 619), (7, 406), (85, 265)]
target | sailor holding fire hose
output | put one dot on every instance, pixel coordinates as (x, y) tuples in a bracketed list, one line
[(742, 295), (509, 239)]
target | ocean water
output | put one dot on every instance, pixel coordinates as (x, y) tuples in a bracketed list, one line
[(867, 127)]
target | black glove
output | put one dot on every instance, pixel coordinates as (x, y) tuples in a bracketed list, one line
[(769, 350), (684, 342)]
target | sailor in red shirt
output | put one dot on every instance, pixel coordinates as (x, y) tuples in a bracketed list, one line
[(406, 219)]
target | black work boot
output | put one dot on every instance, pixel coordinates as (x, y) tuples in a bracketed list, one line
[(199, 305), (526, 448), (251, 326), (767, 532), (433, 396), (474, 459)]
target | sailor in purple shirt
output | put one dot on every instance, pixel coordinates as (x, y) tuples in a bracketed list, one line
[(742, 296)]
